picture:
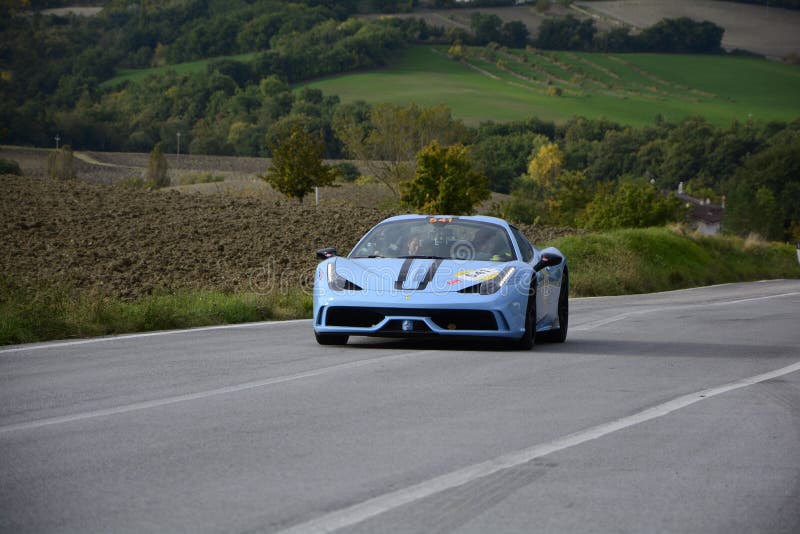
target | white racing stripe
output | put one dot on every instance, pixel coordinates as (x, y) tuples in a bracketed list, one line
[(390, 501), (204, 394)]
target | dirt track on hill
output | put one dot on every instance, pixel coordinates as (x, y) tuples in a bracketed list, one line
[(127, 243)]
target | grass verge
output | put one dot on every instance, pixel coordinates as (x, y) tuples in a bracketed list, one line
[(663, 259), (28, 316), (611, 263)]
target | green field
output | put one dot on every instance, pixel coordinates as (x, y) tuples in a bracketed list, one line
[(137, 75), (504, 85)]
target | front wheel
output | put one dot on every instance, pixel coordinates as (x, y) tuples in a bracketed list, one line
[(331, 339), (559, 335), (529, 337)]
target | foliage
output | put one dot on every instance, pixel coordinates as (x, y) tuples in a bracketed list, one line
[(660, 259), (680, 36), (546, 165), (502, 157), (156, 175), (568, 33), (9, 166), (348, 171), (297, 166), (445, 182), (764, 193), (61, 164), (548, 194), (387, 136), (676, 36), (632, 204), (58, 312), (490, 28), (199, 178)]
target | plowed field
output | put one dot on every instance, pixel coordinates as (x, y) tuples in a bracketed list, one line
[(126, 243)]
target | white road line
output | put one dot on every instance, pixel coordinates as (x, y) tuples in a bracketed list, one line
[(360, 512), (205, 394), (60, 344)]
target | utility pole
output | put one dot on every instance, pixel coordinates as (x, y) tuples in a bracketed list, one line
[(179, 145)]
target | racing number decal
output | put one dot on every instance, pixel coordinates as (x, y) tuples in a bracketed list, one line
[(476, 275)]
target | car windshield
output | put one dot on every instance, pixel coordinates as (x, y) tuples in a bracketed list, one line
[(437, 238)]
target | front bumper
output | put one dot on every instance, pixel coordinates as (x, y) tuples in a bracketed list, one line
[(405, 314)]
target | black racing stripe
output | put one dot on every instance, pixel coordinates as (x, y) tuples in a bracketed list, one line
[(430, 274), (403, 273)]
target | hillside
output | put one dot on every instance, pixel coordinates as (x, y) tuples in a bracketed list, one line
[(505, 84)]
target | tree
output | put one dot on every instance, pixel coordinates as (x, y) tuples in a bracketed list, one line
[(60, 164), (389, 136), (634, 204), (445, 182), (297, 166), (486, 28), (514, 34), (568, 33), (156, 176), (566, 201), (502, 158), (764, 193), (545, 167)]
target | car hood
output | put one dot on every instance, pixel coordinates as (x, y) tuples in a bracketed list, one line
[(417, 274)]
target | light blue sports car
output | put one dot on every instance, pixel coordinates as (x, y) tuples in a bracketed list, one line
[(418, 275)]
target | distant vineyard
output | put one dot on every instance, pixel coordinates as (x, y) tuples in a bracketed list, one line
[(482, 84)]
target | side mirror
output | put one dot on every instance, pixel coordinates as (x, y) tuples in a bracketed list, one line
[(326, 253), (548, 259)]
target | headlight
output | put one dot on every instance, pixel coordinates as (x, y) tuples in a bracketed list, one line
[(493, 286), (338, 282)]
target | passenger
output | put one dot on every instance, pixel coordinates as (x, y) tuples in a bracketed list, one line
[(490, 245)]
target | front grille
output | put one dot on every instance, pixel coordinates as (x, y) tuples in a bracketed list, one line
[(358, 317), (465, 320), (353, 316)]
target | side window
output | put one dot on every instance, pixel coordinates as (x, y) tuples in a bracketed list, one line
[(524, 245)]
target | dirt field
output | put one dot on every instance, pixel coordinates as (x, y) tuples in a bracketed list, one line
[(130, 242), (126, 242), (75, 10), (769, 31)]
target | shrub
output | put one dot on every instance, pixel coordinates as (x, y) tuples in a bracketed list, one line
[(348, 171), (554, 91), (156, 176), (199, 178), (60, 164), (9, 166)]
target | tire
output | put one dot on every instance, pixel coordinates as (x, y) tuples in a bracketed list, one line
[(331, 339), (559, 335), (528, 339)]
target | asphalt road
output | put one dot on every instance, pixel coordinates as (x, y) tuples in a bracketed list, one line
[(672, 412)]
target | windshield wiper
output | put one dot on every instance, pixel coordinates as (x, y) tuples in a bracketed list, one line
[(424, 257)]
